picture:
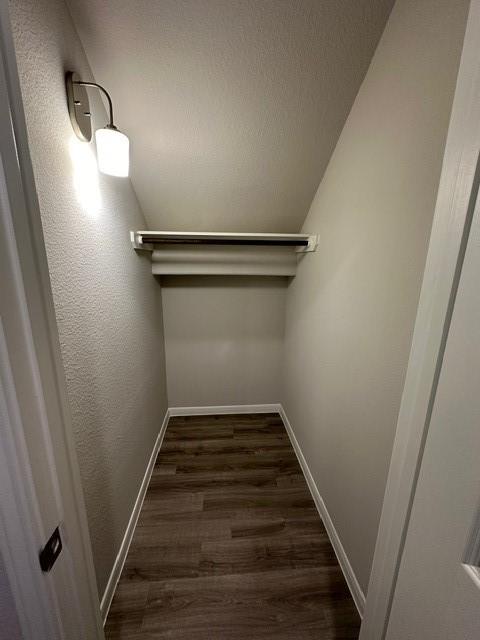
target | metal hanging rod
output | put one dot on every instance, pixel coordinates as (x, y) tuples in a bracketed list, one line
[(148, 239)]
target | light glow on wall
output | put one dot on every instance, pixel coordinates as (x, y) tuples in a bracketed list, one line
[(85, 176)]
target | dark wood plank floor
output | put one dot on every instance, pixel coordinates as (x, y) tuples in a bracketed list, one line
[(229, 544)]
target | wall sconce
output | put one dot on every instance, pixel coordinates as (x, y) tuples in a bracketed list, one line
[(112, 144)]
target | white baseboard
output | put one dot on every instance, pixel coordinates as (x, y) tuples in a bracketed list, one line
[(224, 409), (127, 538), (352, 582)]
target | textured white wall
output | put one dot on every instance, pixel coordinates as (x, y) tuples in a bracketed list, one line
[(108, 305), (223, 339), (351, 307)]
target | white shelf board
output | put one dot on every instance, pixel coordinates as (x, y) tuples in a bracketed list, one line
[(217, 253), (144, 239)]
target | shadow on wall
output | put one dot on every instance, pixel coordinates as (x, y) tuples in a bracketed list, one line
[(219, 281), (85, 176)]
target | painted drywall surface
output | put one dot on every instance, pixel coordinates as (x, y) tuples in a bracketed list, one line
[(351, 307), (223, 339), (9, 622), (233, 106), (107, 303)]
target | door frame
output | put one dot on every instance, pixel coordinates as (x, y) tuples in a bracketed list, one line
[(36, 608), (458, 188), (39, 609)]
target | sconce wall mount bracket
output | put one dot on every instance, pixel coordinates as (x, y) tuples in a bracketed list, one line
[(78, 107)]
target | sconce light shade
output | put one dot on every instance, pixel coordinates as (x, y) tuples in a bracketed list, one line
[(112, 152), (112, 144)]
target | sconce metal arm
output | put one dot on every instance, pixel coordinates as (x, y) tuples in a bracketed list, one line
[(105, 93)]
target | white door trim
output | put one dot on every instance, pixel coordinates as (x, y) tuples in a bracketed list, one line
[(38, 336), (22, 531), (453, 213)]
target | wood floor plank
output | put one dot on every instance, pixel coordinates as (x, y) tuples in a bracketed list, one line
[(254, 445), (282, 459), (165, 469), (244, 498), (260, 605), (213, 481), (150, 535), (259, 554), (127, 610), (203, 432), (277, 527), (255, 514), (283, 462), (157, 503), (247, 431), (163, 562), (229, 544)]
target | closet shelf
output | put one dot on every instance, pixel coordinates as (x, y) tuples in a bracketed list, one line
[(146, 239), (211, 253)]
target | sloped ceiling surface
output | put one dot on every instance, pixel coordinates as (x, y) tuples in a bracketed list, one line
[(233, 107)]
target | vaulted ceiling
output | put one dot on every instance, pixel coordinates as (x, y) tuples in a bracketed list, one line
[(233, 107)]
